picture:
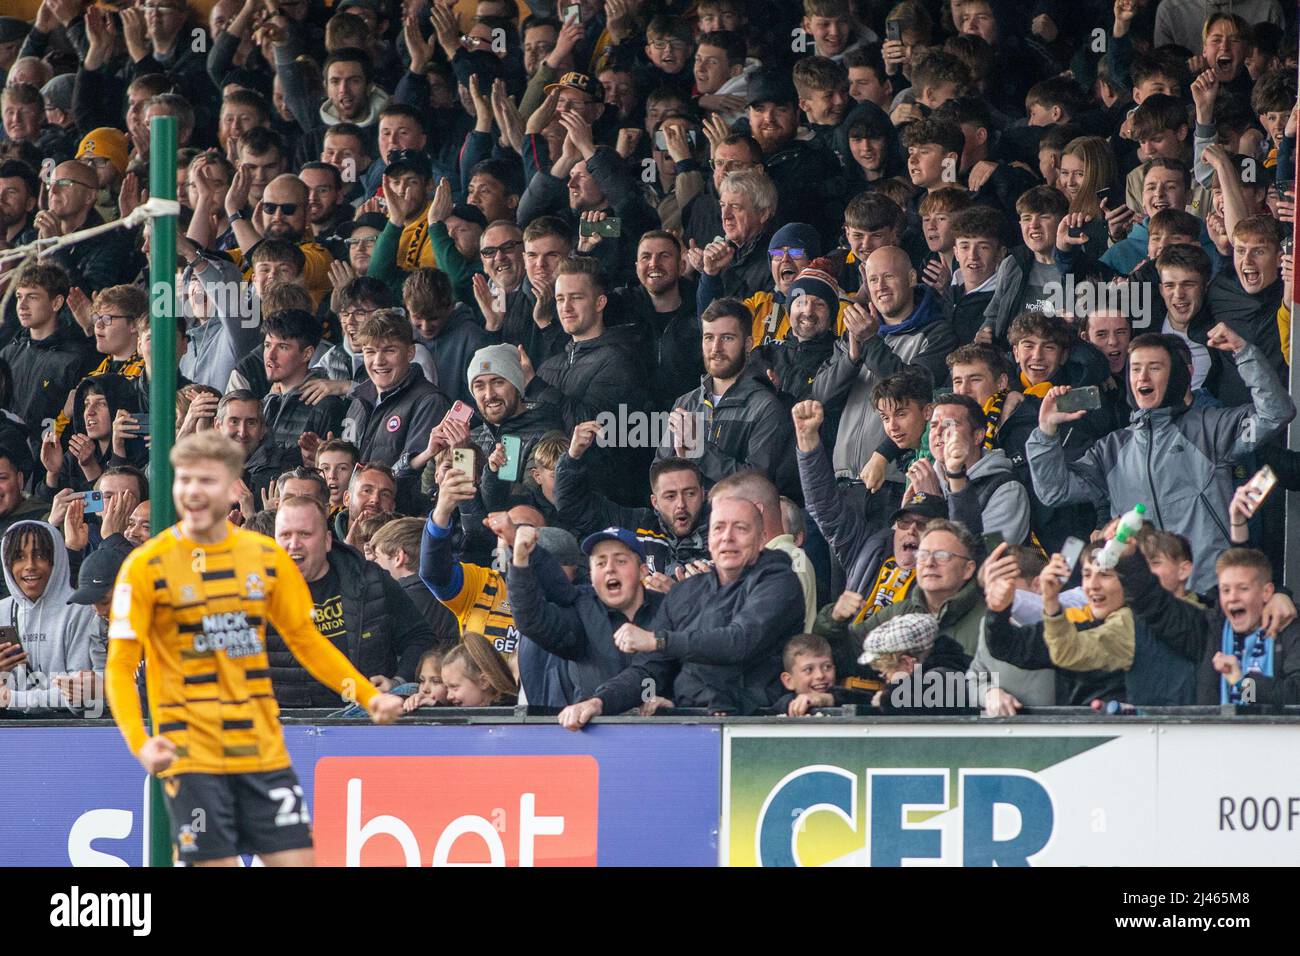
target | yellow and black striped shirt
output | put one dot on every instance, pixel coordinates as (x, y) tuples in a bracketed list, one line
[(198, 613)]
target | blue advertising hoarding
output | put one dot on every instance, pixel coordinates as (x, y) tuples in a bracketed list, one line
[(614, 795)]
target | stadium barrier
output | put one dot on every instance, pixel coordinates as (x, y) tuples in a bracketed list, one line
[(1193, 786)]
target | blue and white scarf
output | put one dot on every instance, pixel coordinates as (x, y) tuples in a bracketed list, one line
[(1254, 650)]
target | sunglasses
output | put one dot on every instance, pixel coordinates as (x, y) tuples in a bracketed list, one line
[(489, 252), (777, 254), (271, 208)]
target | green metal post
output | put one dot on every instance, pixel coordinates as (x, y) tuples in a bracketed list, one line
[(162, 391)]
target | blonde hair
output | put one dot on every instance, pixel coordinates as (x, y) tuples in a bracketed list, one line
[(481, 661), (1099, 171), (209, 445)]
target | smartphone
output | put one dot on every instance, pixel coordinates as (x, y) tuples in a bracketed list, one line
[(991, 540), (1103, 194), (1083, 399), (573, 13), (893, 29), (462, 459), (94, 501), (9, 635), (661, 140), (1075, 232), (514, 446), (1288, 244), (1070, 550), (1285, 188), (141, 422), (461, 412), (610, 228), (1261, 483)]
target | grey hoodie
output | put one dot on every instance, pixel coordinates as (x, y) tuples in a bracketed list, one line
[(1007, 510), (55, 634)]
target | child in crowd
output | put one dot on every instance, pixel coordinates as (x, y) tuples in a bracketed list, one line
[(433, 691), (475, 675)]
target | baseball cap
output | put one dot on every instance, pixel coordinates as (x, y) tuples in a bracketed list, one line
[(470, 214), (375, 220), (922, 505), (582, 83), (98, 572), (621, 535), (409, 160), (906, 634), (772, 86)]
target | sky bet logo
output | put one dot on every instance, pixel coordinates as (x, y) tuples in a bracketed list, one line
[(1003, 817)]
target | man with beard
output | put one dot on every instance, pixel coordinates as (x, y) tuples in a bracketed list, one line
[(673, 531), (94, 263), (595, 375), (815, 302), (281, 214), (326, 208), (371, 490), (19, 192), (732, 420), (661, 307), (350, 96), (496, 380), (718, 639), (805, 173)]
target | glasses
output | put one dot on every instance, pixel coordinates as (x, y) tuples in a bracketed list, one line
[(908, 524), (104, 321), (787, 251), (161, 8), (65, 183), (356, 315), (365, 242), (490, 252), (287, 208), (940, 557), (662, 45)]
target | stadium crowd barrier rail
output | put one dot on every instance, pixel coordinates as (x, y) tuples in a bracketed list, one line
[(1054, 786)]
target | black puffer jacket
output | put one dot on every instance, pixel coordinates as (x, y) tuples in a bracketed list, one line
[(288, 417), (722, 643), (749, 428), (536, 419), (386, 634)]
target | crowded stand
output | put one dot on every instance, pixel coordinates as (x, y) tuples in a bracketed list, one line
[(723, 357)]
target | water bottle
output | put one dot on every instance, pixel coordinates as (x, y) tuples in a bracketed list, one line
[(1129, 526)]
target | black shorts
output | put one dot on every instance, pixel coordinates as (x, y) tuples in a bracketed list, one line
[(219, 815)]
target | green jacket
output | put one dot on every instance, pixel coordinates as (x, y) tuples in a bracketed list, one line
[(959, 618)]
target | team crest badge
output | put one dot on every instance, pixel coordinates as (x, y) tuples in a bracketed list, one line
[(255, 588), (394, 423)]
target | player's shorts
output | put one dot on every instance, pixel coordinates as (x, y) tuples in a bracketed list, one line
[(219, 815)]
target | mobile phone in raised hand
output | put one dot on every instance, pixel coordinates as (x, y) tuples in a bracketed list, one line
[(1083, 399), (1070, 550), (462, 459)]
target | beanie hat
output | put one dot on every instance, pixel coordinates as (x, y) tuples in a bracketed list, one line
[(105, 143), (58, 92), (500, 360), (797, 235), (817, 280)]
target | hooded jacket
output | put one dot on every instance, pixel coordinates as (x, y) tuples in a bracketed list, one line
[(750, 427), (1006, 509), (55, 634), (722, 643), (120, 394), (923, 340), (1175, 459)]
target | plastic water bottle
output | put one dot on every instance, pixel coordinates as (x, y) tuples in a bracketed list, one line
[(1129, 526)]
